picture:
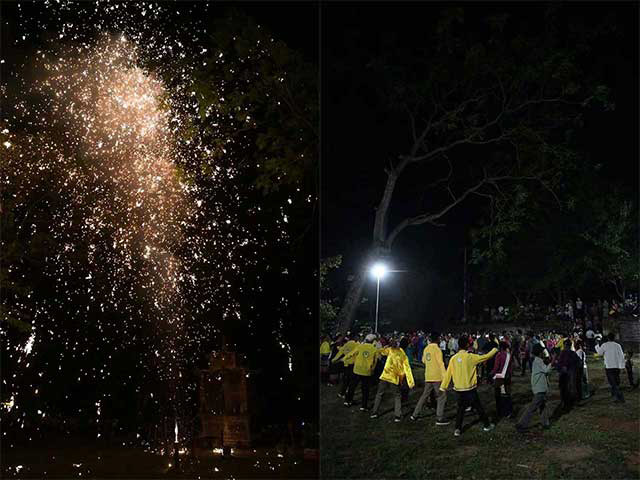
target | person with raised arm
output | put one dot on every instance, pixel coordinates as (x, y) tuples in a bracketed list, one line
[(396, 370), (462, 370)]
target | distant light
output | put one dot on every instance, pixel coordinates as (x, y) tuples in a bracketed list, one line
[(379, 270)]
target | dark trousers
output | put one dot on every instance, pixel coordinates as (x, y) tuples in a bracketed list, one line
[(566, 393), (613, 377), (629, 368), (579, 373), (366, 384), (525, 362), (516, 357), (346, 379), (504, 406), (539, 402), (466, 399)]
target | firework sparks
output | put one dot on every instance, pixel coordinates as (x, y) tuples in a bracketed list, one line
[(102, 186)]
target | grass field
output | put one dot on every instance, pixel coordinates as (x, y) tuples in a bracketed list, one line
[(598, 440)]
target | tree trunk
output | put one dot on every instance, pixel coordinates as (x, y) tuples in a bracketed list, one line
[(351, 301), (379, 249)]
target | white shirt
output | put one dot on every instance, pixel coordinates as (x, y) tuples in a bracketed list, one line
[(613, 355)]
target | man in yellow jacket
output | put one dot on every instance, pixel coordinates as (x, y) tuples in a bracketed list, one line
[(434, 372), (396, 369), (348, 369), (462, 369), (366, 356)]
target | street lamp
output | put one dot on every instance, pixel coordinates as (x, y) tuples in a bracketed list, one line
[(378, 270)]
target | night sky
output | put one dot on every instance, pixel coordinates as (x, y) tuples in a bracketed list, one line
[(360, 136)]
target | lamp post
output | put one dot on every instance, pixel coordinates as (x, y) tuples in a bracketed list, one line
[(378, 271)]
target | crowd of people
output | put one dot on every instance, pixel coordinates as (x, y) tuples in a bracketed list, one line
[(575, 311), (467, 361)]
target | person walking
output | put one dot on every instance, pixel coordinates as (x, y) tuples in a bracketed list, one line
[(347, 370), (366, 356), (567, 364), (501, 374), (325, 353), (613, 363), (591, 339), (629, 367), (582, 378), (434, 372), (396, 370), (524, 354), (540, 370), (462, 370)]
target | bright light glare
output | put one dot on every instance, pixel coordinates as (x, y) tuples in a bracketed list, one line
[(379, 270)]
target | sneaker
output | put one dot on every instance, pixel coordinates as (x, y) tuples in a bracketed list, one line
[(468, 409), (490, 427), (347, 404), (397, 419), (457, 433), (362, 409), (442, 422), (340, 395), (412, 418), (374, 415)]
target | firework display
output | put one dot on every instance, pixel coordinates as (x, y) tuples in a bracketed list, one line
[(130, 227)]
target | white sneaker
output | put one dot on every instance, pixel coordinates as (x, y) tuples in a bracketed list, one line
[(457, 433), (442, 422), (489, 428)]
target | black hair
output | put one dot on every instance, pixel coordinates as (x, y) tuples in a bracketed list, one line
[(404, 342), (434, 337), (567, 344), (504, 345), (611, 336), (537, 350), (463, 343)]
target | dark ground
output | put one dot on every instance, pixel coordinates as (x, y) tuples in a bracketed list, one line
[(597, 440)]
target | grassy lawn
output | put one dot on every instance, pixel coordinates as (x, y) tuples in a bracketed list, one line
[(600, 439)]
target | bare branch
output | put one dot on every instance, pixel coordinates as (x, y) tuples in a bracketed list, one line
[(432, 217)]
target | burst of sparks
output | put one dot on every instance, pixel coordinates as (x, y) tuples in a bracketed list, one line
[(93, 165)]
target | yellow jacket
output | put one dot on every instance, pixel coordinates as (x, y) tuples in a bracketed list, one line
[(397, 366), (344, 350), (365, 356), (560, 344), (325, 348), (462, 368), (434, 370)]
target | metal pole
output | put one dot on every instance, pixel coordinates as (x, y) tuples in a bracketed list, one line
[(377, 303)]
